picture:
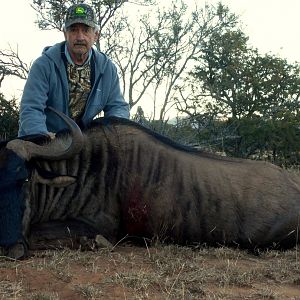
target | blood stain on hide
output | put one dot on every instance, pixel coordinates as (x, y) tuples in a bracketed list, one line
[(136, 212)]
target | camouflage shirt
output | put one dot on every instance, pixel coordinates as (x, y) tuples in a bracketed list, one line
[(79, 78)]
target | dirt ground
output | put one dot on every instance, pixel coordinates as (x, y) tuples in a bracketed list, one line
[(157, 272)]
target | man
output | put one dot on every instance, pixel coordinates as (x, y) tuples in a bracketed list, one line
[(73, 78)]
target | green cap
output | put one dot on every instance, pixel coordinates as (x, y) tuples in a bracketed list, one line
[(80, 13)]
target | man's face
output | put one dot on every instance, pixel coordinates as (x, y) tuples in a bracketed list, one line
[(80, 38)]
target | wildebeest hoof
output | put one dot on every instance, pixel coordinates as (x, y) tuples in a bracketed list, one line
[(86, 243), (102, 242), (93, 243)]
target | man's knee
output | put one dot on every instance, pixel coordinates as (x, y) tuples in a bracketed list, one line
[(12, 169), (13, 174)]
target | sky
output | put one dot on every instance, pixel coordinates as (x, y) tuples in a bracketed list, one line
[(273, 26)]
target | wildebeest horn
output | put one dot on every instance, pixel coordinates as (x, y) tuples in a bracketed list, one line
[(56, 149)]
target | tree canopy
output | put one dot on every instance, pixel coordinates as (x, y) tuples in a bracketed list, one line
[(9, 115), (254, 98)]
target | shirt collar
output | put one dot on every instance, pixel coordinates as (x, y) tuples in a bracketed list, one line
[(70, 61)]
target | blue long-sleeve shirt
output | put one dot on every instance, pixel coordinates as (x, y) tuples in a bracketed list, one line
[(47, 85)]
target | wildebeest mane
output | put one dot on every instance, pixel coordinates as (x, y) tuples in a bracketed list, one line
[(110, 121)]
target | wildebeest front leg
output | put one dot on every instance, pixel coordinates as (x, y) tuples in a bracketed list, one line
[(73, 234)]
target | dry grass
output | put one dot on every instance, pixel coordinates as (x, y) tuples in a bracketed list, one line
[(158, 272)]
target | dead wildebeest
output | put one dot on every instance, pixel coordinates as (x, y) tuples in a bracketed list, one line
[(128, 180)]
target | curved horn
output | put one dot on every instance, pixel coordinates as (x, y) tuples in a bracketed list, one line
[(57, 149)]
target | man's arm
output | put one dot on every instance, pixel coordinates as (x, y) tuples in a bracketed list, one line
[(33, 103)]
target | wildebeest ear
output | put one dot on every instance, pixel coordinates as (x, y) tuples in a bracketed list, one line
[(56, 181)]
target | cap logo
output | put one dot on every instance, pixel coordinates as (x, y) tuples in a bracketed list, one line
[(79, 10), (80, 13)]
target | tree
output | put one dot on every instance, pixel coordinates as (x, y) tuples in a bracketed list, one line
[(11, 64), (51, 13), (241, 81), (154, 56), (9, 115), (250, 95)]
